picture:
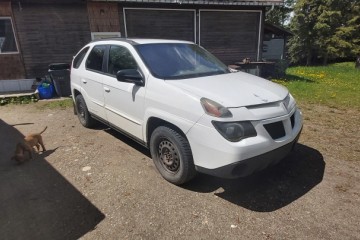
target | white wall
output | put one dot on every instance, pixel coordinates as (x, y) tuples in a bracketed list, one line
[(16, 85)]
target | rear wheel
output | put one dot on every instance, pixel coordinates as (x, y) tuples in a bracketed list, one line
[(172, 155), (82, 112)]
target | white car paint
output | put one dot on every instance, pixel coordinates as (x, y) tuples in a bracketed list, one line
[(129, 107), (233, 89)]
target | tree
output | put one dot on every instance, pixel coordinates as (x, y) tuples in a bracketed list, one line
[(338, 27), (347, 36), (279, 15), (326, 29), (302, 25)]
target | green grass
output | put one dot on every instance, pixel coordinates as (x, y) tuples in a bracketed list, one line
[(336, 85), (62, 104), (32, 99)]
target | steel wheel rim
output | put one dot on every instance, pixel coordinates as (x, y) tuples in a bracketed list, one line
[(168, 155)]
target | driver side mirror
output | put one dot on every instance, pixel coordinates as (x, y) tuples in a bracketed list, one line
[(130, 76)]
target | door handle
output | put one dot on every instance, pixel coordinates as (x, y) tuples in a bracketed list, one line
[(107, 89), (84, 81)]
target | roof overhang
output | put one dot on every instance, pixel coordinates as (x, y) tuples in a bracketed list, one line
[(205, 2), (277, 29)]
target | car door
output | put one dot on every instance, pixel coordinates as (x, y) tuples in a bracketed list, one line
[(92, 81), (124, 102)]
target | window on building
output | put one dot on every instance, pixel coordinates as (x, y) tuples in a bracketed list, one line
[(7, 36), (102, 35)]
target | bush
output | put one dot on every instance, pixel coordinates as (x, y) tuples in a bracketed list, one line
[(280, 69)]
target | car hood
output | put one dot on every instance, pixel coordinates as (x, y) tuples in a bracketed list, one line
[(233, 89)]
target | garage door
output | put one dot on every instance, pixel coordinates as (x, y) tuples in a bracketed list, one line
[(160, 23), (230, 35)]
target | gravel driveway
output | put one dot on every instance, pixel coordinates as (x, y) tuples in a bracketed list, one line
[(98, 184)]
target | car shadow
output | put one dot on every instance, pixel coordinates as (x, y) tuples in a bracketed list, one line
[(36, 201), (272, 188), (129, 141), (265, 191)]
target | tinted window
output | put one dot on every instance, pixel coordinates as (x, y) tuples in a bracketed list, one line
[(7, 38), (179, 60), (120, 58), (95, 59), (78, 59)]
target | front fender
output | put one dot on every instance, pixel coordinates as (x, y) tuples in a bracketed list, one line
[(183, 124)]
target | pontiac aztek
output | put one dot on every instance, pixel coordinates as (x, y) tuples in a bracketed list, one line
[(192, 112)]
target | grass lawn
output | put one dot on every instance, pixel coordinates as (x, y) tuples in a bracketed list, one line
[(336, 85), (61, 103)]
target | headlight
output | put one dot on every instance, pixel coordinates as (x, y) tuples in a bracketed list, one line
[(289, 102), (215, 109), (235, 131)]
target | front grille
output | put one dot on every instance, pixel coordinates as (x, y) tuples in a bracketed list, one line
[(276, 129), (292, 119)]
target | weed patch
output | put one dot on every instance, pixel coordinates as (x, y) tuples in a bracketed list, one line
[(18, 100), (336, 85), (54, 104)]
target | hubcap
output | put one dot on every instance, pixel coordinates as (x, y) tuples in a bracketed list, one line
[(169, 156)]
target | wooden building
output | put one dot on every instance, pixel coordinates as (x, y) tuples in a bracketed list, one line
[(35, 33)]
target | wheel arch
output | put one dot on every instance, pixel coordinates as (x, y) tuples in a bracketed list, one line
[(154, 122), (76, 92)]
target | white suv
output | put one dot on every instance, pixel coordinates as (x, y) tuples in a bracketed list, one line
[(182, 103)]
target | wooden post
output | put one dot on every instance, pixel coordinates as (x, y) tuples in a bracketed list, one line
[(357, 63)]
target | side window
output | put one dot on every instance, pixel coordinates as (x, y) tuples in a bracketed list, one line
[(95, 58), (78, 58), (120, 58)]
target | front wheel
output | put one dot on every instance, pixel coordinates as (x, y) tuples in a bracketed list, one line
[(172, 155)]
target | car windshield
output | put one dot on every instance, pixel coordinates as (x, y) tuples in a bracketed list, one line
[(179, 60)]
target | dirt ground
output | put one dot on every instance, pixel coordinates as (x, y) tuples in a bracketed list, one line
[(98, 184)]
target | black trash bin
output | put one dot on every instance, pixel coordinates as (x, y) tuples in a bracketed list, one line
[(60, 76)]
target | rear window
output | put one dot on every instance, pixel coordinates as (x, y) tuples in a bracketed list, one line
[(95, 58), (79, 57)]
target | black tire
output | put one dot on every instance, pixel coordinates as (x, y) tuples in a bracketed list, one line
[(177, 166), (83, 113)]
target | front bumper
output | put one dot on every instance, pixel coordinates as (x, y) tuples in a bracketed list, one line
[(249, 166), (214, 155)]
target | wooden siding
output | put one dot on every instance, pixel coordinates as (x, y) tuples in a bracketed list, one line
[(200, 2), (50, 34), (46, 1), (11, 65), (230, 35), (103, 17), (5, 9), (167, 24)]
